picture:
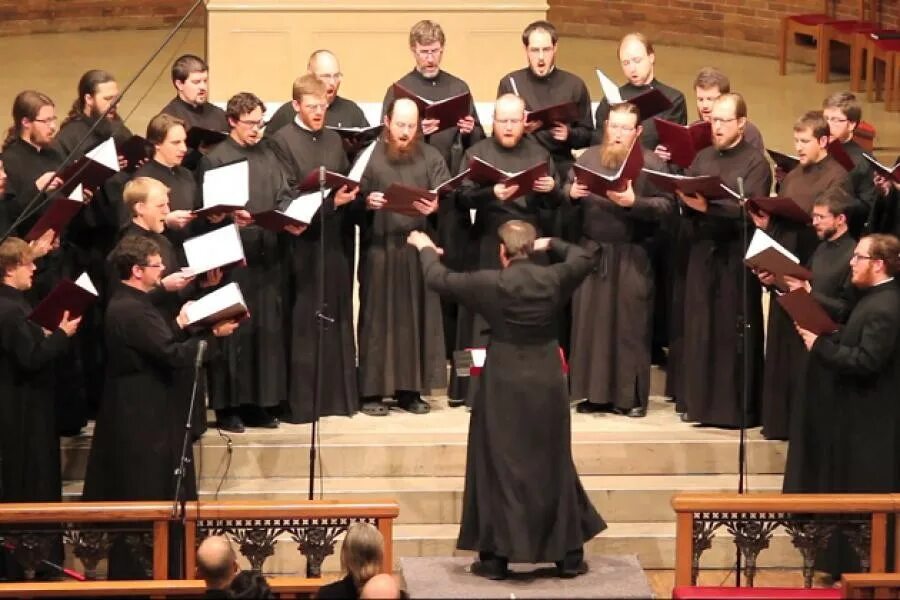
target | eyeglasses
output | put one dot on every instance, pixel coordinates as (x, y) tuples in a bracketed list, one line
[(719, 121), (633, 61), (836, 119), (154, 266), (47, 120), (424, 53), (508, 121), (322, 107), (330, 76), (622, 128), (257, 124), (855, 257)]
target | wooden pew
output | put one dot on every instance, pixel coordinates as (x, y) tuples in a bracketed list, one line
[(871, 585)]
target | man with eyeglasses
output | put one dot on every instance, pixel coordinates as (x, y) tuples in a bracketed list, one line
[(861, 419), (712, 366), (401, 338), (843, 112), (612, 309), (342, 112), (638, 62), (816, 174), (303, 147), (248, 379), (511, 150)]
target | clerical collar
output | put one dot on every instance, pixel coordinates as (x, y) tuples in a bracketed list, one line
[(888, 280), (739, 145), (162, 166), (304, 126), (838, 238), (432, 80)]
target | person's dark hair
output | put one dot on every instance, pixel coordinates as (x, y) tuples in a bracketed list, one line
[(711, 77), (87, 86), (517, 237), (250, 584), (846, 103), (13, 252), (885, 247), (243, 103), (740, 105), (132, 251), (27, 105), (836, 200), (815, 121), (159, 126), (546, 26), (185, 65)]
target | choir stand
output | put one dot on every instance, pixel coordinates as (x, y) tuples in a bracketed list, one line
[(743, 325)]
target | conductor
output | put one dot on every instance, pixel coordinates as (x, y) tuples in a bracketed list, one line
[(523, 501)]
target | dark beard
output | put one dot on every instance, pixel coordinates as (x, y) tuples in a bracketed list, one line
[(396, 154), (612, 155)]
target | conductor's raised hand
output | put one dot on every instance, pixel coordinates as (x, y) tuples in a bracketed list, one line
[(544, 184), (541, 244), (375, 200), (225, 328), (504, 192), (345, 195), (426, 206), (69, 326), (179, 219)]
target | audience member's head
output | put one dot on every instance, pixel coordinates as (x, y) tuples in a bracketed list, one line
[(362, 552), (381, 587), (250, 585), (216, 562)]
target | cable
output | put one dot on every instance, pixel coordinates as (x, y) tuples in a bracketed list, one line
[(229, 452)]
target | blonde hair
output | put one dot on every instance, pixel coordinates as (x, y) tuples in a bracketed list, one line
[(13, 252), (308, 85), (362, 552), (139, 189)]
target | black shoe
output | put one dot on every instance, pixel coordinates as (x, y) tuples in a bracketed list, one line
[(257, 416), (230, 423), (413, 403), (568, 572), (588, 407), (685, 418), (489, 570), (456, 402), (637, 412), (374, 408)]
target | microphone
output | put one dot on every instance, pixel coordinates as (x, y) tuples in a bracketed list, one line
[(322, 176), (201, 350), (740, 182)]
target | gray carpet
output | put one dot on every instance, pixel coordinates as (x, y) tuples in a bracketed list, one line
[(618, 576)]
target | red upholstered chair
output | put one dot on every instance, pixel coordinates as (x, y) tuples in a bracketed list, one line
[(753, 593), (888, 52), (864, 135), (858, 55), (812, 24), (844, 32)]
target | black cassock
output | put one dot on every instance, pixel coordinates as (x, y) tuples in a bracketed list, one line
[(677, 113), (864, 357), (302, 151), (612, 309), (712, 365), (482, 247), (862, 187), (785, 354), (401, 340), (341, 113), (207, 115), (29, 446), (74, 130), (251, 367), (523, 499), (811, 456)]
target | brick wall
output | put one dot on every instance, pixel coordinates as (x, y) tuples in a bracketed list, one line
[(19, 17), (742, 26)]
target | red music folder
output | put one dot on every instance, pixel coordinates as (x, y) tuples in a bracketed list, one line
[(224, 304), (447, 111), (891, 173), (600, 183), (483, 172), (836, 149), (806, 312), (60, 213), (199, 136), (565, 112), (709, 186), (779, 206), (649, 103), (300, 211), (786, 162), (333, 181), (765, 254), (135, 149), (683, 141), (399, 198), (73, 296)]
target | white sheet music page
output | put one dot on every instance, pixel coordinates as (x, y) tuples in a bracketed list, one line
[(106, 155), (214, 249), (227, 186)]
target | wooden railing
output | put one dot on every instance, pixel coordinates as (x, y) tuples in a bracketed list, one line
[(254, 526), (871, 585), (809, 519)]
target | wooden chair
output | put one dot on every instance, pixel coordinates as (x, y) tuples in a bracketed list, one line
[(887, 52), (844, 32), (858, 56), (812, 24), (871, 585)]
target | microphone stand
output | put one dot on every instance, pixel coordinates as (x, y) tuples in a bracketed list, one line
[(179, 508), (323, 320), (743, 324)]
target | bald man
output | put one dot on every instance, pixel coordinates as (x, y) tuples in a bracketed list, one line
[(638, 61), (511, 150), (382, 586), (341, 111), (217, 565), (401, 340)]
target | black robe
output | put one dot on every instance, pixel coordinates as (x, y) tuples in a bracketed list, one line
[(613, 308), (252, 365), (677, 113), (811, 455), (862, 187), (864, 357), (301, 151), (401, 340), (712, 364), (29, 446), (74, 130), (520, 428), (207, 115), (785, 354), (341, 113)]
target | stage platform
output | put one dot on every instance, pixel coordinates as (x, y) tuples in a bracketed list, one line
[(629, 467)]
